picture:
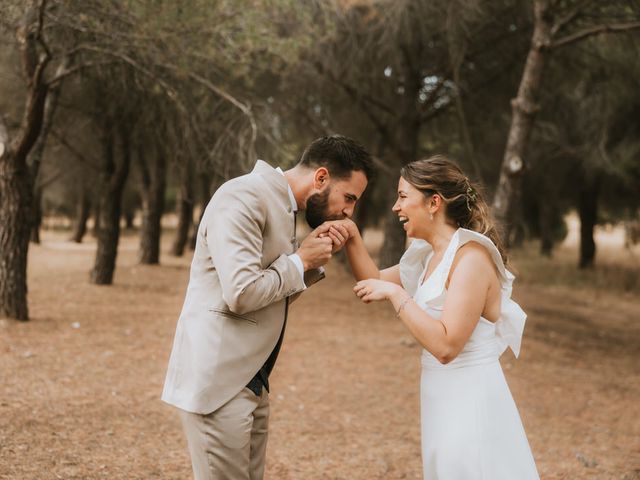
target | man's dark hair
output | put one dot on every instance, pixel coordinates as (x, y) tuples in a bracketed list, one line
[(340, 155)]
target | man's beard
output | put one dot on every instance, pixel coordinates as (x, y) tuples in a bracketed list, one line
[(317, 212)]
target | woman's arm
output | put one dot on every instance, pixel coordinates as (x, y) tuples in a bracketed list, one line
[(444, 338), (391, 274), (362, 265)]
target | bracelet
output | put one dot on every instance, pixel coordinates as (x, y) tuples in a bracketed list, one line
[(404, 302)]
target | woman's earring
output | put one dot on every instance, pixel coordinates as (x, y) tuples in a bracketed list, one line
[(431, 216)]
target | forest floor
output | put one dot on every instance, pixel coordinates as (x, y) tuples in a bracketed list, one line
[(80, 383)]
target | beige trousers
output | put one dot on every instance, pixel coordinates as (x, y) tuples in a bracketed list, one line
[(230, 443)]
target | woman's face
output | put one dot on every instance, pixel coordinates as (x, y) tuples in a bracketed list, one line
[(411, 208)]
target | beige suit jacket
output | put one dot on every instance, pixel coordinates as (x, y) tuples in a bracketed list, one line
[(235, 305)]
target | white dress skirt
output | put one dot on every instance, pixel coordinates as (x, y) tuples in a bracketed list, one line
[(471, 428)]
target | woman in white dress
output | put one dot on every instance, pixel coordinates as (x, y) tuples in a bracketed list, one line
[(452, 291)]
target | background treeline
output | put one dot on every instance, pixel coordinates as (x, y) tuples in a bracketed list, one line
[(114, 110)]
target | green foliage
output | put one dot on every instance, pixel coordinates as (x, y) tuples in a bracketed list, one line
[(220, 82), (591, 127)]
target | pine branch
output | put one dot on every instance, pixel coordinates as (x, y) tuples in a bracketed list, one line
[(597, 30)]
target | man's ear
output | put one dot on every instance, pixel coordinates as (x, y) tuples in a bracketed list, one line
[(321, 178)]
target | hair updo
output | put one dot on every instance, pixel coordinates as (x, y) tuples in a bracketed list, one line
[(464, 204)]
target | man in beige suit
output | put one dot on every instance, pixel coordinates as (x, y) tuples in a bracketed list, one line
[(246, 267)]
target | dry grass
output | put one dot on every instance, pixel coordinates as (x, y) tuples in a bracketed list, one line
[(80, 383), (616, 268)]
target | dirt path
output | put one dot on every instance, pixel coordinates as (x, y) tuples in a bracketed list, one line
[(80, 383)]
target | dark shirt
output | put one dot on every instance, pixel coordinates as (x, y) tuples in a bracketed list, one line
[(261, 379)]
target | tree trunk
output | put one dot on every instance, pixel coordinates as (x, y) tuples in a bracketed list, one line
[(524, 108), (15, 213), (154, 175), (16, 178), (108, 236), (96, 219), (395, 238), (36, 215), (37, 154), (83, 209), (463, 124), (184, 209), (545, 221), (404, 150), (206, 189), (363, 214), (114, 177), (128, 217), (588, 210), (518, 232)]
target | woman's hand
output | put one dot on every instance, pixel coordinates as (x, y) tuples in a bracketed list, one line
[(347, 224), (339, 236), (374, 290), (340, 232)]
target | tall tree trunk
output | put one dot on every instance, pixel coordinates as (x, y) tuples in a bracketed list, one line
[(83, 209), (395, 238), (128, 215), (36, 215), (518, 231), (545, 222), (206, 189), (114, 177), (15, 222), (37, 154), (363, 214), (588, 210), (366, 213), (524, 108), (463, 125), (184, 209), (404, 150), (16, 178), (95, 230), (154, 175)]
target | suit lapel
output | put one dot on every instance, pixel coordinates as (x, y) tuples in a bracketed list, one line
[(279, 183)]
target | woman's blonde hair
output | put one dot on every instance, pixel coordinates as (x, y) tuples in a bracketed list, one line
[(464, 203)]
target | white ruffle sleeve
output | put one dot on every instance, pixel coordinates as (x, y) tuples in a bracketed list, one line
[(510, 325), (412, 264)]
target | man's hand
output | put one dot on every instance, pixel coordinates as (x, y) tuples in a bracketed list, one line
[(316, 249)]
